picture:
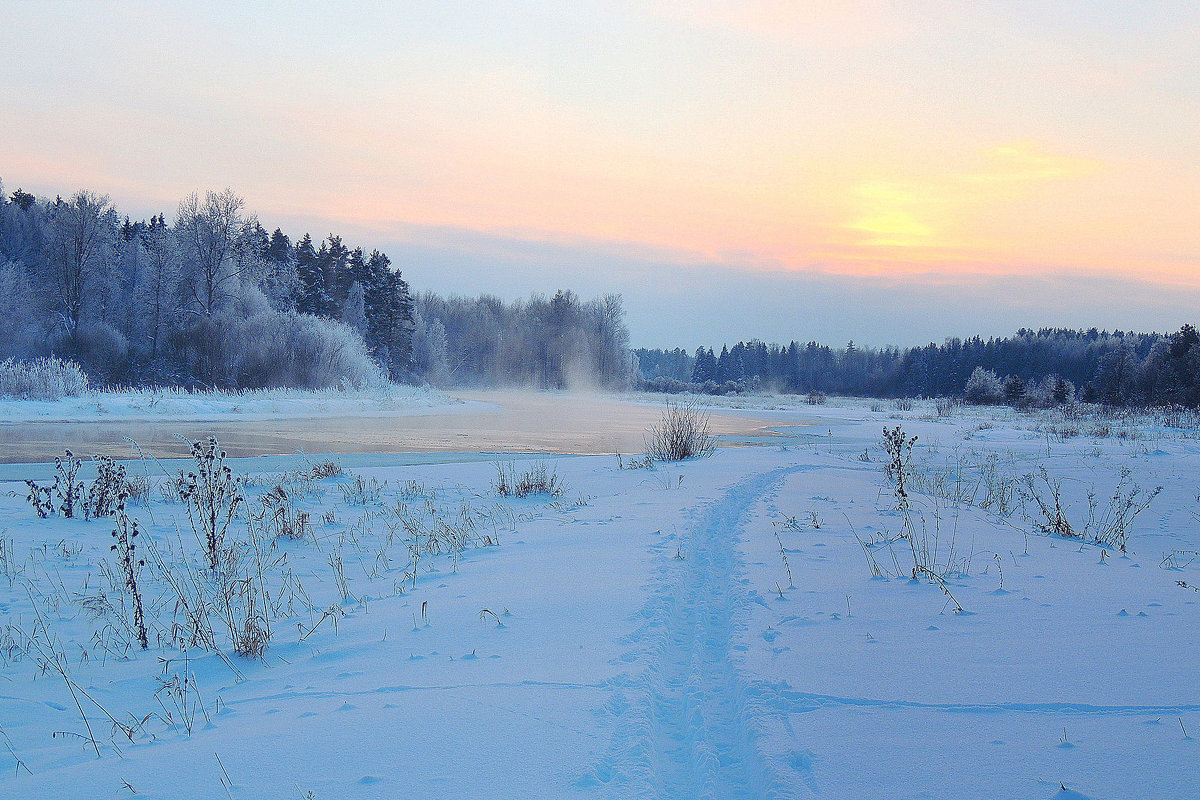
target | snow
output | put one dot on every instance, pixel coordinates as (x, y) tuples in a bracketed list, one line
[(642, 635)]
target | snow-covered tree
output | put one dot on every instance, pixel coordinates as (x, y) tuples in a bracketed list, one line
[(209, 233), (983, 387)]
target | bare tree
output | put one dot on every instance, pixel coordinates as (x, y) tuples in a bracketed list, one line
[(210, 233), (82, 231), (158, 279), (21, 326), (613, 356)]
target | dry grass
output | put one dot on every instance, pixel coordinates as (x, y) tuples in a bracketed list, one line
[(681, 433), (537, 480)]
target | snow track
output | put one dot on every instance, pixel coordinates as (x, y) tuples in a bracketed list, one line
[(693, 723)]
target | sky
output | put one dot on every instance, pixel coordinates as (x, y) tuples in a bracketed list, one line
[(887, 172)]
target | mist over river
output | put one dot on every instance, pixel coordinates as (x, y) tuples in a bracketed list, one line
[(488, 422)]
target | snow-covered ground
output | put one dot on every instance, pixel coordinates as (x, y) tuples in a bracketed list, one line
[(740, 626)]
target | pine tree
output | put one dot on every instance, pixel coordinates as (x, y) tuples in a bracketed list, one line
[(335, 276), (706, 366), (23, 199), (282, 283), (312, 284)]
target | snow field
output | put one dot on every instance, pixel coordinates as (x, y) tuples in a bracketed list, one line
[(642, 637)]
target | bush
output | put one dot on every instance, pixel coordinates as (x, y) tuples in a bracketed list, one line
[(320, 354), (22, 316), (681, 433), (101, 349), (666, 386), (1014, 390), (265, 349), (1053, 390), (983, 388), (41, 379), (946, 406)]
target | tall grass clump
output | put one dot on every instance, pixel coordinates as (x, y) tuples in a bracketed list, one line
[(280, 517), (1107, 527), (41, 379), (681, 433), (538, 479), (360, 491)]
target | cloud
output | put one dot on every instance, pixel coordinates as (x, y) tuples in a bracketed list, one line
[(937, 211), (1025, 163), (894, 214)]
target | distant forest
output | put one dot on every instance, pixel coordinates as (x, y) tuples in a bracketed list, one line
[(1041, 367), (210, 299)]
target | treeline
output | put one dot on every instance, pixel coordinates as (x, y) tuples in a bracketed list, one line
[(1117, 368), (210, 299)]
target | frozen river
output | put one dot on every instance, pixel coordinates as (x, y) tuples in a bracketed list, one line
[(487, 422)]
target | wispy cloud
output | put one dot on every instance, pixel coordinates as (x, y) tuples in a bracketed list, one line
[(941, 211), (1022, 164)]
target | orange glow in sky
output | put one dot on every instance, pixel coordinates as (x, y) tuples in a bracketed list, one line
[(887, 139)]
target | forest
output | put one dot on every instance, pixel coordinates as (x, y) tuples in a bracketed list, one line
[(211, 300), (1043, 367)]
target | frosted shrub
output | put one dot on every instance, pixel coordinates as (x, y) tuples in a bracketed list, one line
[(41, 379), (983, 387), (102, 349), (681, 433), (21, 330), (330, 354), (247, 345), (946, 406), (1050, 391), (299, 350)]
